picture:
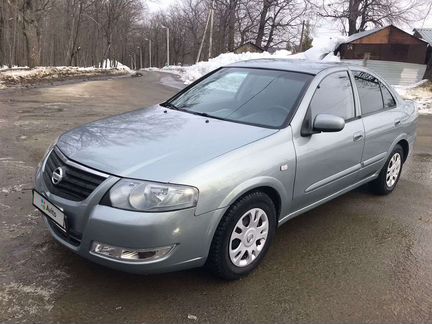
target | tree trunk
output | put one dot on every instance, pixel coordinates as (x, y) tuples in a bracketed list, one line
[(231, 24), (262, 22), (2, 33), (31, 33), (32, 46), (353, 13)]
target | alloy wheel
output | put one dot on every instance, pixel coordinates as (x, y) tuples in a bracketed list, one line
[(248, 237), (393, 170)]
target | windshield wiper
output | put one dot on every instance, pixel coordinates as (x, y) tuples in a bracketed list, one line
[(203, 114), (169, 105), (200, 113)]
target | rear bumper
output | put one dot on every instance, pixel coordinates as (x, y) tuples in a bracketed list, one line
[(90, 222)]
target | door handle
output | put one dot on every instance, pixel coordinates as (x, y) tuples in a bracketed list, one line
[(357, 137), (397, 122)]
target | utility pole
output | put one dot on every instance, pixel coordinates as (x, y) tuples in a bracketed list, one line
[(167, 35), (301, 37), (150, 54), (211, 29), (203, 38)]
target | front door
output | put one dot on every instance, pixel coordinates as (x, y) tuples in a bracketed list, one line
[(329, 162)]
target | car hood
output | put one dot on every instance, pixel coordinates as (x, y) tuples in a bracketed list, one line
[(155, 143)]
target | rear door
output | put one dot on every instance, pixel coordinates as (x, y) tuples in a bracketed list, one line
[(328, 162), (381, 118)]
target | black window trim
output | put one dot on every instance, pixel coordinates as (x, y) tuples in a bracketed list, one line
[(380, 82)]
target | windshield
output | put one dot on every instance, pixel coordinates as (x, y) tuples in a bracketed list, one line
[(251, 96)]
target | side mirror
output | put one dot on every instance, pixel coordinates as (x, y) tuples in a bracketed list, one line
[(328, 123)]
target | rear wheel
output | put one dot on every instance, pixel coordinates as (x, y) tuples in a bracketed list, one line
[(243, 236), (390, 173)]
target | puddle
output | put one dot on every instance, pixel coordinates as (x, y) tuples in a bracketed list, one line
[(423, 157)]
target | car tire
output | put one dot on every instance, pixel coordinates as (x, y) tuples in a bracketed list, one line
[(248, 226), (390, 173)]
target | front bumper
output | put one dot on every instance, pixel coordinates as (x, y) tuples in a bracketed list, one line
[(90, 222)]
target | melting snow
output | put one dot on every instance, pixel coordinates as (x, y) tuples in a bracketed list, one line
[(420, 93)]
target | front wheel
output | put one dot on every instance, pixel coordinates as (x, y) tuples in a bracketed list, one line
[(243, 236), (390, 173)]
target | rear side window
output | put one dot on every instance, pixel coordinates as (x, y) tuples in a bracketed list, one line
[(334, 96), (389, 101), (374, 95), (369, 92)]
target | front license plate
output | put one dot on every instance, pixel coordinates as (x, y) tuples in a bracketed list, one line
[(49, 209)]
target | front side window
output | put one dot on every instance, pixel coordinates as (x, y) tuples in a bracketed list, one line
[(251, 96), (334, 96)]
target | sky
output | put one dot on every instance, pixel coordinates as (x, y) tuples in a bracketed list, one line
[(155, 5), (324, 28)]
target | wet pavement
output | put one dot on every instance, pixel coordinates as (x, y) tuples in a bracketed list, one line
[(359, 258)]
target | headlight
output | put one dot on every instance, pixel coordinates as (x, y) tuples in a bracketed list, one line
[(150, 196)]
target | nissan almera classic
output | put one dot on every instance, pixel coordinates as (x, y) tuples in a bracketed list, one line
[(207, 176)]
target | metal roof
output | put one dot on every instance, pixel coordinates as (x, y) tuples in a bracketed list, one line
[(294, 65), (362, 34), (366, 33), (425, 33)]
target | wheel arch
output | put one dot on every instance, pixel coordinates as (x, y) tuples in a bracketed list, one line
[(402, 140), (405, 147), (270, 186)]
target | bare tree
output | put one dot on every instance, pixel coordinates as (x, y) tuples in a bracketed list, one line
[(357, 15)]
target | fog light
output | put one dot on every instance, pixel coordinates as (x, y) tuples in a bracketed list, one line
[(132, 255)]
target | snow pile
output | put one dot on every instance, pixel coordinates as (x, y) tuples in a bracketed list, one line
[(111, 64), (322, 50), (420, 93), (190, 73), (15, 67), (22, 76)]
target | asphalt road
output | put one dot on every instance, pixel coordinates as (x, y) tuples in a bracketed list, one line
[(359, 258)]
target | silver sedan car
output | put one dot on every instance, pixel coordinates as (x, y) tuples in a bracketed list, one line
[(206, 177)]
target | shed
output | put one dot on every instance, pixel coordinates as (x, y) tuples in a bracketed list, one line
[(395, 54), (248, 47)]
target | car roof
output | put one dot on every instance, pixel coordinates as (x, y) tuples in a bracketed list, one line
[(293, 65)]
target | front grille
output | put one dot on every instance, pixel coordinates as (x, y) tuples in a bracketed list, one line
[(76, 184)]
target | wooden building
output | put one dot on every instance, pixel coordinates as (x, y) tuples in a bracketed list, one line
[(395, 54)]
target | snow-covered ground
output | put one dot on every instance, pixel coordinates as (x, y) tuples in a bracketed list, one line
[(24, 75), (15, 67), (420, 93)]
